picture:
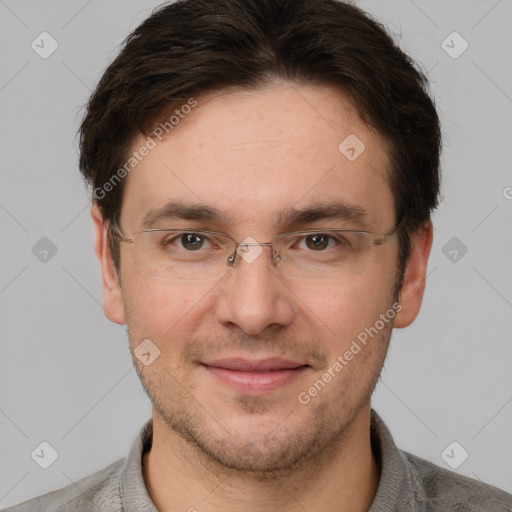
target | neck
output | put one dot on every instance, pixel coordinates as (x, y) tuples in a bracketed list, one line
[(343, 477)]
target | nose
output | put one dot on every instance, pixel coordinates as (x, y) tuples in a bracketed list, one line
[(253, 296)]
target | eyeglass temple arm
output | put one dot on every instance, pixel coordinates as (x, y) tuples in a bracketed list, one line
[(116, 233), (382, 239)]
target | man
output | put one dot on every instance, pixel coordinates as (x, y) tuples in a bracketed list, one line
[(263, 174)]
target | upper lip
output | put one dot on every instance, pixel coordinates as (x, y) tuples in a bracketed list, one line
[(251, 365)]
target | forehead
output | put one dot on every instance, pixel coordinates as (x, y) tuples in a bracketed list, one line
[(253, 154)]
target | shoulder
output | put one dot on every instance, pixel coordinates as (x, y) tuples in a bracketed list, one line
[(98, 491), (446, 490)]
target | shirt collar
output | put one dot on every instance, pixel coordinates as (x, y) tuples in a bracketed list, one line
[(132, 488), (396, 489)]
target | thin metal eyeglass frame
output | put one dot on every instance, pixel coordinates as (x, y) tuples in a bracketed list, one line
[(232, 259)]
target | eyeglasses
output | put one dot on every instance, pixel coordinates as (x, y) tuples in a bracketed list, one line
[(191, 254)]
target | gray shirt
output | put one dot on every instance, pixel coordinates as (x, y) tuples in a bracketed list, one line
[(407, 484)]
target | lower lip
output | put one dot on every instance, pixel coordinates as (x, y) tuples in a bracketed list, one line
[(255, 382)]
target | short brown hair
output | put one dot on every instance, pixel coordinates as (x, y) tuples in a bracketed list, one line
[(190, 47)]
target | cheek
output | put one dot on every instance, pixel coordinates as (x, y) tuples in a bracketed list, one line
[(154, 307), (345, 309)]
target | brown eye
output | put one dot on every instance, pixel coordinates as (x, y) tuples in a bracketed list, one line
[(187, 241), (317, 241), (192, 241)]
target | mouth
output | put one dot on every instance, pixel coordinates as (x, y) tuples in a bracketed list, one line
[(255, 377)]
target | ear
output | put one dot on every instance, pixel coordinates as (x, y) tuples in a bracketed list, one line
[(113, 304), (411, 294)]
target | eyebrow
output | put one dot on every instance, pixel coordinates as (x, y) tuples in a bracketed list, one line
[(287, 217)]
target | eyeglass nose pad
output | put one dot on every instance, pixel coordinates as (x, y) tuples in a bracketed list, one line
[(231, 260), (275, 259)]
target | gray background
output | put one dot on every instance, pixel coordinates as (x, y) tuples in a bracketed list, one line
[(65, 370)]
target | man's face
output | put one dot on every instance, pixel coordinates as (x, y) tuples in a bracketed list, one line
[(252, 154)]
